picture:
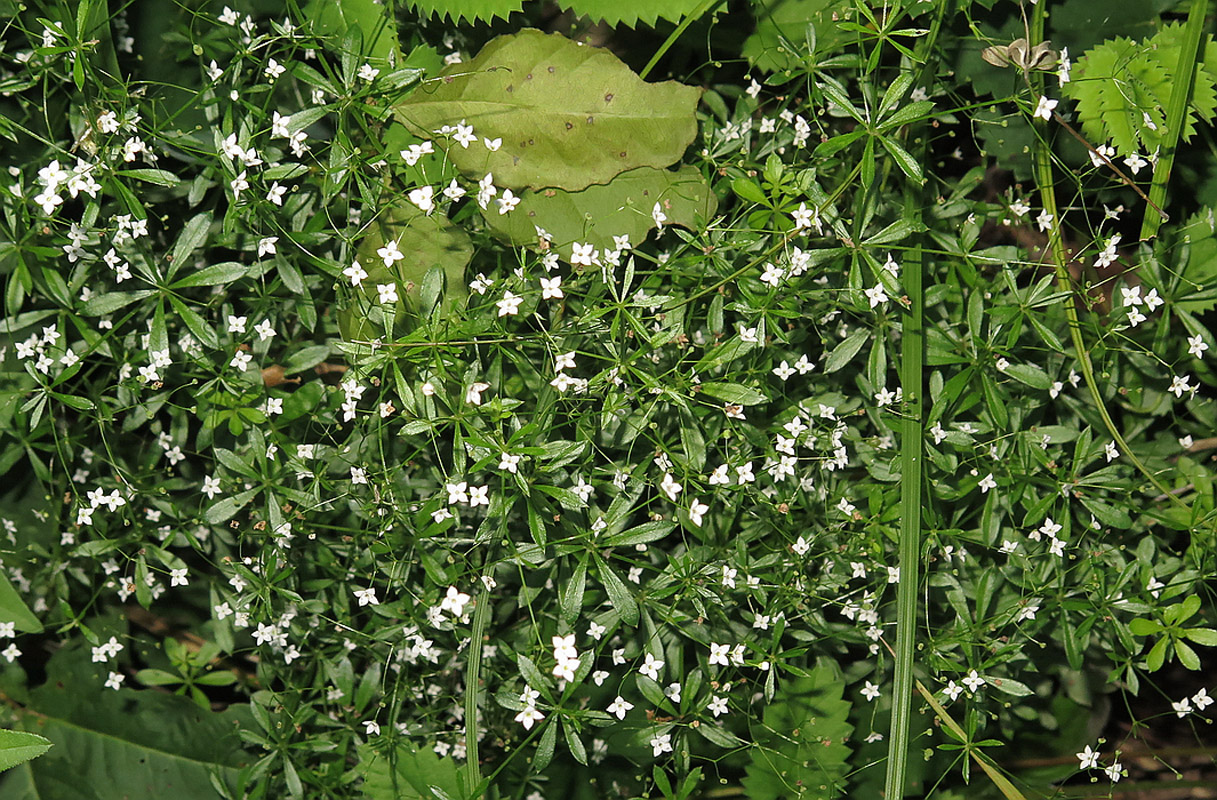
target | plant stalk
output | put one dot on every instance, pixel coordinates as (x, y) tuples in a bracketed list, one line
[(1176, 114)]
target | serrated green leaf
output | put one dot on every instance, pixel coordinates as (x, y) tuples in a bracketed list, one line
[(18, 747)]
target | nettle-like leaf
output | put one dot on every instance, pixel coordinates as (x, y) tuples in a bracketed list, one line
[(598, 213), (569, 116), (801, 750), (465, 11), (18, 747), (1122, 88), (630, 12)]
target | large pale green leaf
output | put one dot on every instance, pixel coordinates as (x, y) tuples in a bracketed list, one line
[(408, 774), (13, 608), (568, 115), (118, 745), (337, 17), (598, 213), (428, 243), (801, 749)]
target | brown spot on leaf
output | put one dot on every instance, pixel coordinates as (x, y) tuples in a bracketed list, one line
[(551, 69), (569, 126), (622, 154), (590, 120), (608, 98), (511, 88), (528, 77)]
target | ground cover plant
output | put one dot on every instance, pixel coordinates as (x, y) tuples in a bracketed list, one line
[(477, 398)]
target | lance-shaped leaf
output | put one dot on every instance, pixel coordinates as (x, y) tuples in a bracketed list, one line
[(624, 205), (568, 116)]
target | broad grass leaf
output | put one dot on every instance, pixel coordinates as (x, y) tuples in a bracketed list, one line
[(568, 116)]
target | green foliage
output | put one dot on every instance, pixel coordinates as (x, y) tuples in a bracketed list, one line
[(567, 116), (623, 206), (18, 747), (119, 745), (406, 772), (13, 609), (802, 751), (789, 33), (465, 11), (429, 243), (1122, 88)]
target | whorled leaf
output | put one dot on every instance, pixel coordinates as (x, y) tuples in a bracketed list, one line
[(623, 206), (568, 116)]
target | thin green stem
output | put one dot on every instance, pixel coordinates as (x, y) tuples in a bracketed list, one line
[(473, 679), (696, 14), (1060, 258), (1176, 113)]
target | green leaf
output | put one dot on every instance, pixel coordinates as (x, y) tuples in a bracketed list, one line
[(623, 206), (571, 592), (159, 177), (734, 393), (102, 304), (1140, 626), (619, 595), (800, 750), (904, 159), (1204, 636), (224, 509), (788, 31), (336, 17), (1157, 655), (568, 116), (18, 747), (1187, 656), (465, 11), (428, 243), (214, 275), (630, 12), (641, 534), (121, 745), (1029, 374), (843, 353), (13, 609), (306, 358), (193, 235), (408, 773)]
